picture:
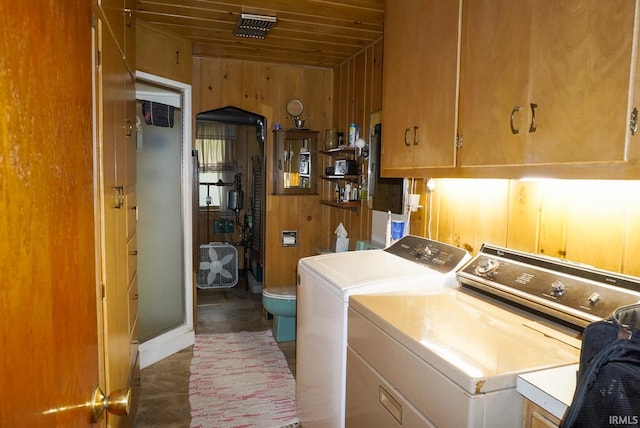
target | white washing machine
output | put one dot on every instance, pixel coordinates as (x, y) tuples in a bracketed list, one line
[(325, 283)]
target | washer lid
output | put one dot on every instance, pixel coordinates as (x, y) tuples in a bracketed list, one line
[(383, 270), (480, 346)]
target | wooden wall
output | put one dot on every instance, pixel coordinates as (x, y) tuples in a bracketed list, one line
[(265, 88), (587, 221), (593, 222), (357, 93)]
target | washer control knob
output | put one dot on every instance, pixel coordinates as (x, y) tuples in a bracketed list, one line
[(558, 288), (423, 252), (593, 299)]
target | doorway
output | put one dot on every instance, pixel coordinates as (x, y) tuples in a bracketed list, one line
[(164, 210), (231, 194)]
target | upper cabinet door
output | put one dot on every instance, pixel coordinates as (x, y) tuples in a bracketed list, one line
[(495, 79), (546, 81), (420, 73), (162, 53)]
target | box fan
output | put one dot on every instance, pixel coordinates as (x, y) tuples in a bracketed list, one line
[(218, 266)]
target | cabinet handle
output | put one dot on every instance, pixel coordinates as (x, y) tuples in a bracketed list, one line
[(406, 142), (178, 57), (415, 135), (128, 17), (128, 127), (533, 128), (390, 403), (513, 113), (633, 122), (118, 196)]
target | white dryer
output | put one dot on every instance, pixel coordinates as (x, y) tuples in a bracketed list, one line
[(325, 283)]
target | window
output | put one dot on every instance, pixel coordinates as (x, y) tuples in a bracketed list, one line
[(217, 159)]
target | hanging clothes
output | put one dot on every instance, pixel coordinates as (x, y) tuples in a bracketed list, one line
[(158, 114)]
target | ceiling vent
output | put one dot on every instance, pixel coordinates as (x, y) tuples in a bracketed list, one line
[(254, 26)]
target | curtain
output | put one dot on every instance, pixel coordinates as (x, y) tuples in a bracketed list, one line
[(217, 155), (216, 145)]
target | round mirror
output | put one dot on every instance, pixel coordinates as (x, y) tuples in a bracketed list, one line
[(295, 108)]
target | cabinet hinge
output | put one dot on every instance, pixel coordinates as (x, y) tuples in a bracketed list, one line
[(103, 290), (458, 141)]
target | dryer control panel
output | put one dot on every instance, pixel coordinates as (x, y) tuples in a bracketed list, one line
[(435, 255)]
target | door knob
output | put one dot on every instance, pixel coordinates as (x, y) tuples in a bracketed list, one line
[(117, 403)]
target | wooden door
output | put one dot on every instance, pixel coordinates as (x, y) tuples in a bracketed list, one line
[(435, 144), (580, 70), (495, 81), (420, 85), (48, 317), (399, 98), (117, 245), (565, 65)]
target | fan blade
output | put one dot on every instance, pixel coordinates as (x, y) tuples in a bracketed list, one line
[(226, 259), (226, 274), (204, 265), (211, 278), (213, 255)]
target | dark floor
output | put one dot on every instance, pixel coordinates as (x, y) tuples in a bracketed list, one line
[(164, 392)]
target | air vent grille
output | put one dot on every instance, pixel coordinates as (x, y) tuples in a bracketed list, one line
[(254, 26)]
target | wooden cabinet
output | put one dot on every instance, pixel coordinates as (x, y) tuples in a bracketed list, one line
[(117, 211), (545, 82), (121, 24), (420, 74), (295, 162), (536, 417), (163, 54)]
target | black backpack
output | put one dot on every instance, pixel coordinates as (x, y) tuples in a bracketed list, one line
[(608, 386)]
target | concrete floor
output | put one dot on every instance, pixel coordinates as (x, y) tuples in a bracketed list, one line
[(164, 391)]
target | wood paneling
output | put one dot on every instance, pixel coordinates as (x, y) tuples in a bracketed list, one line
[(163, 53), (332, 99), (587, 221), (357, 92), (308, 32), (524, 203), (265, 88), (117, 165)]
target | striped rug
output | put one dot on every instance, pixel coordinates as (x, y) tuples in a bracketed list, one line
[(240, 380)]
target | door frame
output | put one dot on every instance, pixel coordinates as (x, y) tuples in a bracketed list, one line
[(182, 336)]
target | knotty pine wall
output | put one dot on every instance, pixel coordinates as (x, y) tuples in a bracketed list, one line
[(593, 222), (587, 221), (357, 93), (265, 89)]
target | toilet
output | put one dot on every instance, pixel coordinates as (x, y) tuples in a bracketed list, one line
[(281, 303)]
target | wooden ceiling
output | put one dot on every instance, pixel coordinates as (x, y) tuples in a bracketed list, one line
[(320, 33)]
